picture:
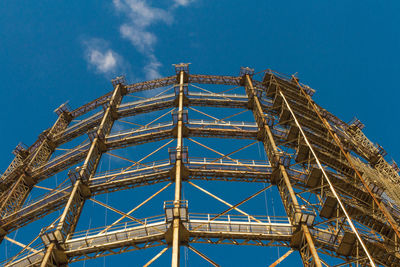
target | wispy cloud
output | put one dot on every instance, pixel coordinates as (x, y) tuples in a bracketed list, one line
[(182, 2), (141, 39), (152, 67), (102, 58), (104, 62), (140, 16)]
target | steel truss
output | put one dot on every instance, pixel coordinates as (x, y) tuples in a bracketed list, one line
[(338, 191)]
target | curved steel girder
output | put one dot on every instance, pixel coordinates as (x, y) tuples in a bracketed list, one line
[(127, 238), (126, 180), (126, 110), (147, 85), (125, 139), (111, 250), (147, 135), (347, 188), (230, 239), (237, 239), (142, 86), (214, 79), (145, 106), (156, 174)]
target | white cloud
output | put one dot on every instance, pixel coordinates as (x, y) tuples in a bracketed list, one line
[(182, 2), (104, 62), (141, 39), (140, 15), (152, 68), (102, 58)]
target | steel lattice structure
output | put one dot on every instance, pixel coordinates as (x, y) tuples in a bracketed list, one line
[(339, 194)]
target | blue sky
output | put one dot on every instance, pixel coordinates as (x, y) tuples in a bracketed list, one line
[(54, 51)]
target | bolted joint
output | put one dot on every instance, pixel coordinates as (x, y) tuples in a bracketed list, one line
[(102, 145), (29, 181), (185, 101), (260, 120), (355, 124), (3, 232), (114, 112), (314, 177), (309, 91), (244, 72), (176, 212), (118, 80), (182, 67), (185, 131), (295, 79), (3, 186), (54, 242), (179, 116), (46, 139), (98, 137), (50, 143), (123, 90), (250, 104), (251, 95), (268, 75), (329, 207), (177, 89), (63, 110), (276, 176), (178, 154), (176, 209), (66, 116), (21, 149), (297, 239), (347, 244), (52, 235), (92, 135), (257, 92), (85, 190), (304, 216), (249, 92), (74, 175), (184, 172), (283, 159)]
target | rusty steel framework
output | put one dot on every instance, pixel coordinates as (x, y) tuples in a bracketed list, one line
[(339, 194)]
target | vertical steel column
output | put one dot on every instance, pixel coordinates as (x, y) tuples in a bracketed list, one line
[(176, 223), (307, 249), (80, 191)]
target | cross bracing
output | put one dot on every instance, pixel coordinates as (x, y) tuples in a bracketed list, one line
[(337, 190)]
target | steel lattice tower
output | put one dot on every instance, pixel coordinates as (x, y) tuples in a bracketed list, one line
[(339, 195)]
